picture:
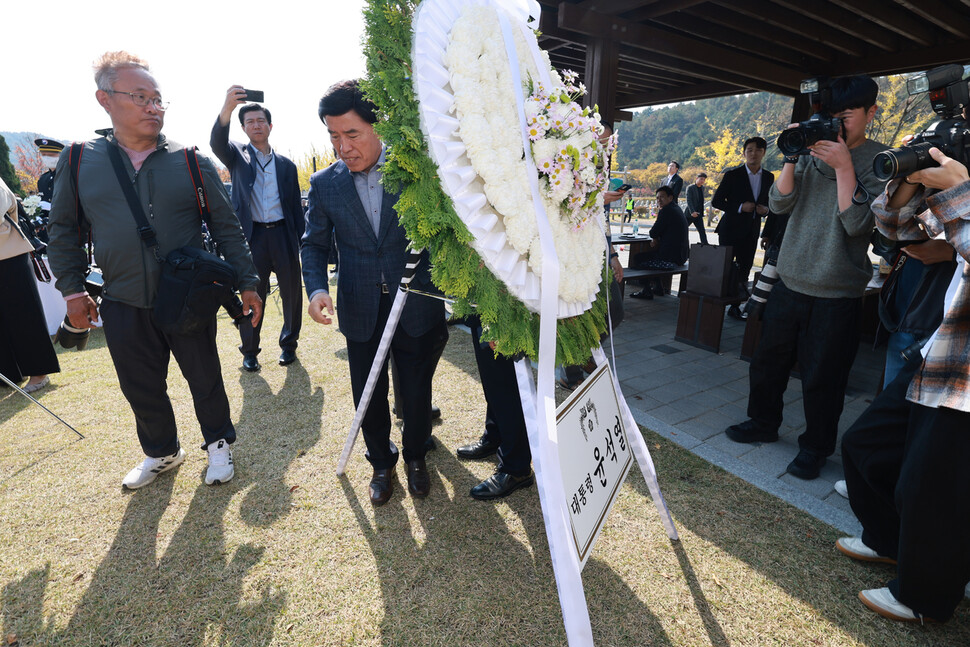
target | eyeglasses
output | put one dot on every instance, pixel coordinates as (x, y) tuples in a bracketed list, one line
[(142, 100)]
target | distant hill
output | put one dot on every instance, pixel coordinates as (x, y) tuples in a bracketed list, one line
[(22, 139)]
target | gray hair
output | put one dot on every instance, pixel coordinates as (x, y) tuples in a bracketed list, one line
[(106, 67)]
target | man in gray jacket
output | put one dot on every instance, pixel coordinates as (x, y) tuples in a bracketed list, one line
[(159, 172)]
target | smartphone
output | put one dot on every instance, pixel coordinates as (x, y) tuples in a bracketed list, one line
[(254, 95), (624, 187)]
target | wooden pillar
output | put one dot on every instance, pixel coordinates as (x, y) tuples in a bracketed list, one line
[(602, 65)]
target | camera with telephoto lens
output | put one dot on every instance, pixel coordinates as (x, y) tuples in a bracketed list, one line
[(234, 308), (67, 335), (947, 89), (820, 126)]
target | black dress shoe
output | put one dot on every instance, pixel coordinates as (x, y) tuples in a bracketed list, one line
[(500, 485), (429, 444), (751, 432), (382, 486), (250, 363), (806, 465), (642, 294), (477, 450), (735, 313), (287, 357), (419, 482)]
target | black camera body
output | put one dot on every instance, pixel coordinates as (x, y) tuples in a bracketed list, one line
[(821, 126), (949, 95)]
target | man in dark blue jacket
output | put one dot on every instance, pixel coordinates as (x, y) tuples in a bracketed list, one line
[(266, 198), (349, 204)]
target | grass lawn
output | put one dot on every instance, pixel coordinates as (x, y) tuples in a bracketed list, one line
[(289, 554)]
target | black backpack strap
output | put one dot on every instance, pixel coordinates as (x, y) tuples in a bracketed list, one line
[(83, 226), (145, 231), (202, 199)]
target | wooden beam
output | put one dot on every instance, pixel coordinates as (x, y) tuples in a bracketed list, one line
[(689, 49), (690, 72), (685, 93), (844, 20), (888, 15), (911, 60), (757, 29), (602, 65), (613, 6), (791, 22), (661, 9), (940, 14), (743, 41)]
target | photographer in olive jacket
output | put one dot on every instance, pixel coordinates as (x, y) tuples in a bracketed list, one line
[(159, 172)]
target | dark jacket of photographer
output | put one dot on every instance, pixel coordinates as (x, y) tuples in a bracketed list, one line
[(167, 196)]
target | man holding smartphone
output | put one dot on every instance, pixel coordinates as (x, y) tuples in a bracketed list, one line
[(266, 198)]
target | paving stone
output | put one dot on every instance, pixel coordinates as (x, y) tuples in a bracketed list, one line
[(707, 425), (671, 414), (771, 458)]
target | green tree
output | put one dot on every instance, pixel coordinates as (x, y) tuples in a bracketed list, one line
[(7, 172)]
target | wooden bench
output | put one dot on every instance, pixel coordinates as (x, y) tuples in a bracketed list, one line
[(665, 275), (701, 319)]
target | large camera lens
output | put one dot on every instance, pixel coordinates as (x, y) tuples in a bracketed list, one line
[(904, 160), (792, 141)]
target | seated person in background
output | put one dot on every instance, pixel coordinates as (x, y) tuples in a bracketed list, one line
[(905, 458), (668, 245)]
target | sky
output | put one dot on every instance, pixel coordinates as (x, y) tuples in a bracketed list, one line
[(291, 50)]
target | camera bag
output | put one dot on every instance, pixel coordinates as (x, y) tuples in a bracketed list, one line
[(922, 313), (194, 282)]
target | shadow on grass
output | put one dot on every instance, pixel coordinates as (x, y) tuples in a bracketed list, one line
[(464, 574), (283, 426), (787, 546), (137, 598)]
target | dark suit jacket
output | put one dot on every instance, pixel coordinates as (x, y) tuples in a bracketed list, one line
[(695, 201), (335, 207), (676, 184), (241, 162), (671, 232), (734, 190)]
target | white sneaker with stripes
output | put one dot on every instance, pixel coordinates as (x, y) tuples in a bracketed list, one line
[(220, 463), (146, 471)]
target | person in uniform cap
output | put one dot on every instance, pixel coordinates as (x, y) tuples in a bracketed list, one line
[(50, 150)]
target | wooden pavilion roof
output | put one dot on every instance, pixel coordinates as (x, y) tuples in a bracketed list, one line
[(634, 53)]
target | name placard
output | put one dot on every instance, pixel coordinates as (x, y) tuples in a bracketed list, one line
[(594, 456)]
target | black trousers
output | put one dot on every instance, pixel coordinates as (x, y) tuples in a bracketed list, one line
[(416, 358), (906, 472), (504, 422), (699, 226), (823, 336), (272, 252), (25, 347), (141, 353), (744, 247)]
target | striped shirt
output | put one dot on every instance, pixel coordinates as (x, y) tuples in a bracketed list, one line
[(943, 380)]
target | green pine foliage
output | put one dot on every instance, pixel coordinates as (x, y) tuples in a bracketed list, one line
[(428, 215)]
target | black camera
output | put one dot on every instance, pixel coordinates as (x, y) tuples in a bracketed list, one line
[(820, 126), (948, 93), (234, 308), (67, 335)]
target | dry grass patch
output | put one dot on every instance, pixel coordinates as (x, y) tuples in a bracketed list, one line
[(289, 554)]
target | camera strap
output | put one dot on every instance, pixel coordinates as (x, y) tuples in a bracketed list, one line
[(74, 165), (145, 231)]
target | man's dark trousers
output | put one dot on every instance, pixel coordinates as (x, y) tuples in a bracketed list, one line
[(823, 336), (141, 353), (906, 473), (504, 422), (272, 252), (417, 358)]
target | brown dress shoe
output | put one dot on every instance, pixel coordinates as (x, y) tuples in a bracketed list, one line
[(382, 486), (419, 483)]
